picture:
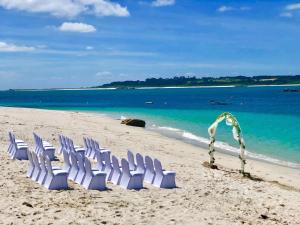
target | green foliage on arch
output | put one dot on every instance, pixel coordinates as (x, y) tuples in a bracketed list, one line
[(236, 132)]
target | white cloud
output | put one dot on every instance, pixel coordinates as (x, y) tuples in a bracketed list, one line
[(225, 8), (106, 8), (88, 48), (286, 14), (160, 3), (102, 74), (245, 8), (293, 6), (77, 27), (6, 47), (67, 8)]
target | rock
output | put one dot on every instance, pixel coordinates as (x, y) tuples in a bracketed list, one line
[(134, 122), (263, 216), (27, 204)]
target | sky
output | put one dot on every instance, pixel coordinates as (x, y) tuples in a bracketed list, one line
[(82, 43)]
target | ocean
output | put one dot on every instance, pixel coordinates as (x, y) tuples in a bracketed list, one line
[(269, 116)]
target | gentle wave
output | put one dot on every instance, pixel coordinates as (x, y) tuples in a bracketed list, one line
[(187, 136)]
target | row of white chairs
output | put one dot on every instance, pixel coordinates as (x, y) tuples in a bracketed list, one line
[(43, 146), (139, 170), (68, 145), (152, 170), (41, 170), (17, 148), (134, 169)]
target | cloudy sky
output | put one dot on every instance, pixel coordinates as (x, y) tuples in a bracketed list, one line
[(76, 43)]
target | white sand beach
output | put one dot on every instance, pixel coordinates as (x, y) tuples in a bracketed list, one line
[(203, 196)]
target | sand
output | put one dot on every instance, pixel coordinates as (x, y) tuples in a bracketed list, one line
[(203, 196)]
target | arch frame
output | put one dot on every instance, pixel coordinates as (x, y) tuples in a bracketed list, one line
[(237, 135)]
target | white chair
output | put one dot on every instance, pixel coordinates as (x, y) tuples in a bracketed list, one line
[(75, 148), (43, 173), (81, 172), (130, 156), (94, 149), (130, 179), (107, 167), (100, 162), (37, 168), (117, 172), (102, 151), (44, 146), (18, 150), (87, 146), (62, 144), (74, 167), (13, 140), (149, 172), (163, 179), (45, 143), (67, 164), (140, 165), (55, 179), (93, 180), (31, 165)]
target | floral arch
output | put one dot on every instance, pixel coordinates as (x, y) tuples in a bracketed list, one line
[(237, 135)]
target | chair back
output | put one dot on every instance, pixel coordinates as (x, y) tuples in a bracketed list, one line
[(67, 163), (149, 164), (140, 166), (10, 137), (99, 160), (97, 145), (48, 165), (107, 160), (157, 166), (88, 166), (35, 139), (89, 142), (80, 161), (115, 163), (13, 139), (61, 141), (93, 147), (67, 143), (29, 154), (125, 167), (73, 160), (85, 143), (42, 162), (35, 160), (130, 157)]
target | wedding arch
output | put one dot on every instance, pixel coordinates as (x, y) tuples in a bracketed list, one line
[(237, 135)]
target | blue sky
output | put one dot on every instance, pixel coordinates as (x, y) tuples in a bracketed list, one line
[(77, 43)]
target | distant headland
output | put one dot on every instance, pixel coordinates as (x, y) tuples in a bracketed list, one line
[(182, 81)]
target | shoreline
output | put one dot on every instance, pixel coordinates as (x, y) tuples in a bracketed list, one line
[(195, 140), (164, 87), (203, 195), (202, 147)]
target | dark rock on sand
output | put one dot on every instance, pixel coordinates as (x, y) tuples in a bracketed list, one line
[(134, 122)]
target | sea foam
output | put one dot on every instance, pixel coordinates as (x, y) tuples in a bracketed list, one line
[(222, 146)]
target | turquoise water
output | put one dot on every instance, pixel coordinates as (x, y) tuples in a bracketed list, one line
[(269, 117)]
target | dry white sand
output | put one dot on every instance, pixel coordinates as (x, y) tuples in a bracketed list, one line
[(203, 196)]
